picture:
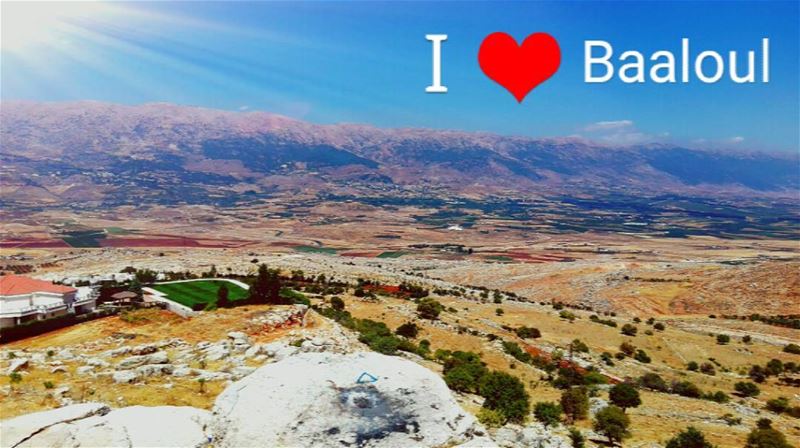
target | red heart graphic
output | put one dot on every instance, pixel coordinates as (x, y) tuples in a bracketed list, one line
[(519, 68)]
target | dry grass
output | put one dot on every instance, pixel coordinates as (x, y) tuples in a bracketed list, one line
[(661, 415)]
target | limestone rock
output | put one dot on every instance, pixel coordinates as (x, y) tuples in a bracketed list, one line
[(17, 430), (93, 425), (125, 376), (322, 404), (17, 364), (140, 360)]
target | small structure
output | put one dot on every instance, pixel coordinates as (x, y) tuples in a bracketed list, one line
[(124, 297), (24, 299)]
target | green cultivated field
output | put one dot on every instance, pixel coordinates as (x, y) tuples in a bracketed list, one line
[(397, 254), (199, 292)]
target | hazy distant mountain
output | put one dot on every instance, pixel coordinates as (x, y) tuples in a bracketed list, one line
[(88, 151)]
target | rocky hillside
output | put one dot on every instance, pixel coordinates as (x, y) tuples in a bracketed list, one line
[(87, 151), (327, 395)]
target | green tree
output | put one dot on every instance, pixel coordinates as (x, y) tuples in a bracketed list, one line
[(463, 371), (575, 403), (408, 330), (505, 393), (576, 438), (222, 296), (625, 396), (337, 303), (629, 330), (136, 288), (766, 438), (792, 348), (267, 287), (549, 414), (612, 422), (653, 381), (690, 438), (723, 339), (429, 309)]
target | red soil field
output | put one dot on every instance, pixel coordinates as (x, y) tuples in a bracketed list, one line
[(33, 244)]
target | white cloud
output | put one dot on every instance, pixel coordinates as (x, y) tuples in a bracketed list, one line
[(619, 132), (608, 125), (735, 140)]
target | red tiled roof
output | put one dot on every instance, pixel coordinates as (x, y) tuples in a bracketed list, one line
[(11, 285)]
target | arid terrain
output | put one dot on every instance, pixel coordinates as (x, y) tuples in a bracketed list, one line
[(627, 263)]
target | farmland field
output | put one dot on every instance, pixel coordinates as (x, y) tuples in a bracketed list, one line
[(199, 292)]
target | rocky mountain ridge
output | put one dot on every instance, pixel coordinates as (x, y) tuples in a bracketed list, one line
[(63, 153)]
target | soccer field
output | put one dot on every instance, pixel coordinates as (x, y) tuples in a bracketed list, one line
[(199, 292)]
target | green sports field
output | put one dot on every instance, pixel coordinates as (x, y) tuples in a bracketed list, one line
[(199, 292)]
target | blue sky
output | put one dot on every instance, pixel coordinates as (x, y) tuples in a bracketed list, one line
[(370, 63)]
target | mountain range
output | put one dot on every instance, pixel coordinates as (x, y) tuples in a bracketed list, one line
[(98, 153)]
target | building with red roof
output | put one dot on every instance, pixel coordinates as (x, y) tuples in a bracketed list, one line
[(24, 299)]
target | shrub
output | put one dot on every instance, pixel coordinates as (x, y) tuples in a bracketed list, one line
[(717, 397), (567, 315), (506, 394), (723, 339), (528, 332), (576, 438), (747, 339), (337, 303), (629, 330), (549, 414), (575, 403), (757, 374), (429, 309), (463, 371), (792, 348), (499, 311), (513, 349), (766, 438), (708, 369), (642, 357), (746, 389), (48, 385), (578, 346), (625, 396), (408, 330), (653, 381), (659, 326), (612, 422), (686, 389), (692, 366), (774, 367), (690, 438), (491, 418), (778, 405), (627, 348)]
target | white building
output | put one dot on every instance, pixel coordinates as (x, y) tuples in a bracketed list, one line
[(24, 299)]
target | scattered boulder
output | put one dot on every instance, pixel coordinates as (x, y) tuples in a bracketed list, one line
[(154, 369), (17, 364), (145, 349), (84, 370), (217, 352), (125, 376), (139, 360), (96, 362)]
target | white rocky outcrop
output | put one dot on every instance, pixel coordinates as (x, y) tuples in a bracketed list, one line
[(95, 425), (315, 399)]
